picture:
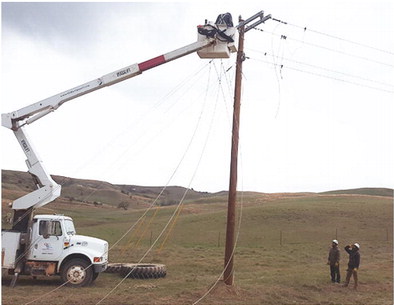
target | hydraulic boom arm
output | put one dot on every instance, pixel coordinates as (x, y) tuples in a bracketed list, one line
[(211, 44)]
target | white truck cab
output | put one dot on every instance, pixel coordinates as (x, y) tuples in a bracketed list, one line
[(56, 249)]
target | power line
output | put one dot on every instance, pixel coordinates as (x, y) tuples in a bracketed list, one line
[(325, 69), (325, 76), (336, 37), (141, 218), (180, 204), (285, 37)]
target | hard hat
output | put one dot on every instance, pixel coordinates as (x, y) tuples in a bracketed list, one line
[(335, 241), (357, 245)]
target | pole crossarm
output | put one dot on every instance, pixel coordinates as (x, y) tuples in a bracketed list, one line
[(250, 19)]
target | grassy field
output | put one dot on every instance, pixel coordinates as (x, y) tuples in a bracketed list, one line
[(280, 257)]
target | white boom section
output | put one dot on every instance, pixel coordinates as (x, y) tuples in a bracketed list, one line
[(48, 190), (31, 113)]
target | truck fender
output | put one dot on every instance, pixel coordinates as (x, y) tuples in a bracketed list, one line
[(70, 257)]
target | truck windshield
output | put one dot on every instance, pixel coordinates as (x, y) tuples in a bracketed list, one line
[(69, 225)]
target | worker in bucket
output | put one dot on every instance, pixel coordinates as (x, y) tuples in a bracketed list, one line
[(354, 263), (333, 260)]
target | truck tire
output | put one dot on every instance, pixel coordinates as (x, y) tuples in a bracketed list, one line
[(143, 271), (114, 268), (77, 273)]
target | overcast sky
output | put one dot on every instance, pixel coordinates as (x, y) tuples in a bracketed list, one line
[(317, 111)]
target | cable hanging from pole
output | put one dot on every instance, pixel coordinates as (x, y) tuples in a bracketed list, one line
[(179, 206)]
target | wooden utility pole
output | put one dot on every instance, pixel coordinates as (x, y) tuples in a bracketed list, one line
[(228, 274), (232, 195)]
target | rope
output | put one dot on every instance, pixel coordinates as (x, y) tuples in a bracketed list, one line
[(148, 226), (171, 228), (129, 230), (184, 195), (176, 88), (232, 254), (118, 241), (173, 215), (221, 275), (130, 241)]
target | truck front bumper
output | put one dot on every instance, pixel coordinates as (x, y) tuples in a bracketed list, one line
[(100, 267)]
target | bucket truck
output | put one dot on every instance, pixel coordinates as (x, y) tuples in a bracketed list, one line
[(48, 244)]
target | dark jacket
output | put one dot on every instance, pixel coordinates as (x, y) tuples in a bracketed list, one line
[(354, 257), (334, 256)]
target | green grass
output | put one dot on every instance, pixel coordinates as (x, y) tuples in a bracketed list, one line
[(268, 270)]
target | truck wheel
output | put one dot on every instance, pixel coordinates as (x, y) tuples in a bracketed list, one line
[(77, 273), (143, 271)]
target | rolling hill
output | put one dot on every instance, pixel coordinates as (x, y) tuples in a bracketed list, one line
[(363, 191), (15, 184), (282, 244)]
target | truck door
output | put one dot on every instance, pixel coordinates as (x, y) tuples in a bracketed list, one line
[(47, 242)]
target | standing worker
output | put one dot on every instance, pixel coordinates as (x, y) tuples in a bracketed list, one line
[(354, 263), (333, 261)]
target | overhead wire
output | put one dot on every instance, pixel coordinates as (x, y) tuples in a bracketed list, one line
[(305, 28), (176, 88), (190, 79), (275, 64), (326, 48), (169, 221), (120, 239), (224, 99), (278, 79), (180, 162), (207, 137), (326, 76), (160, 101), (132, 227), (221, 275), (325, 69)]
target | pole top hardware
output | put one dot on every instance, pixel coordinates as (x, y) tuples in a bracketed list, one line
[(258, 15)]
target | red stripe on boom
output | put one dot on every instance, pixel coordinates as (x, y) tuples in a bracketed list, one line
[(151, 63)]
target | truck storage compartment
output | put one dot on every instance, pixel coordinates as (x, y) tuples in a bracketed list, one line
[(40, 268), (10, 246)]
